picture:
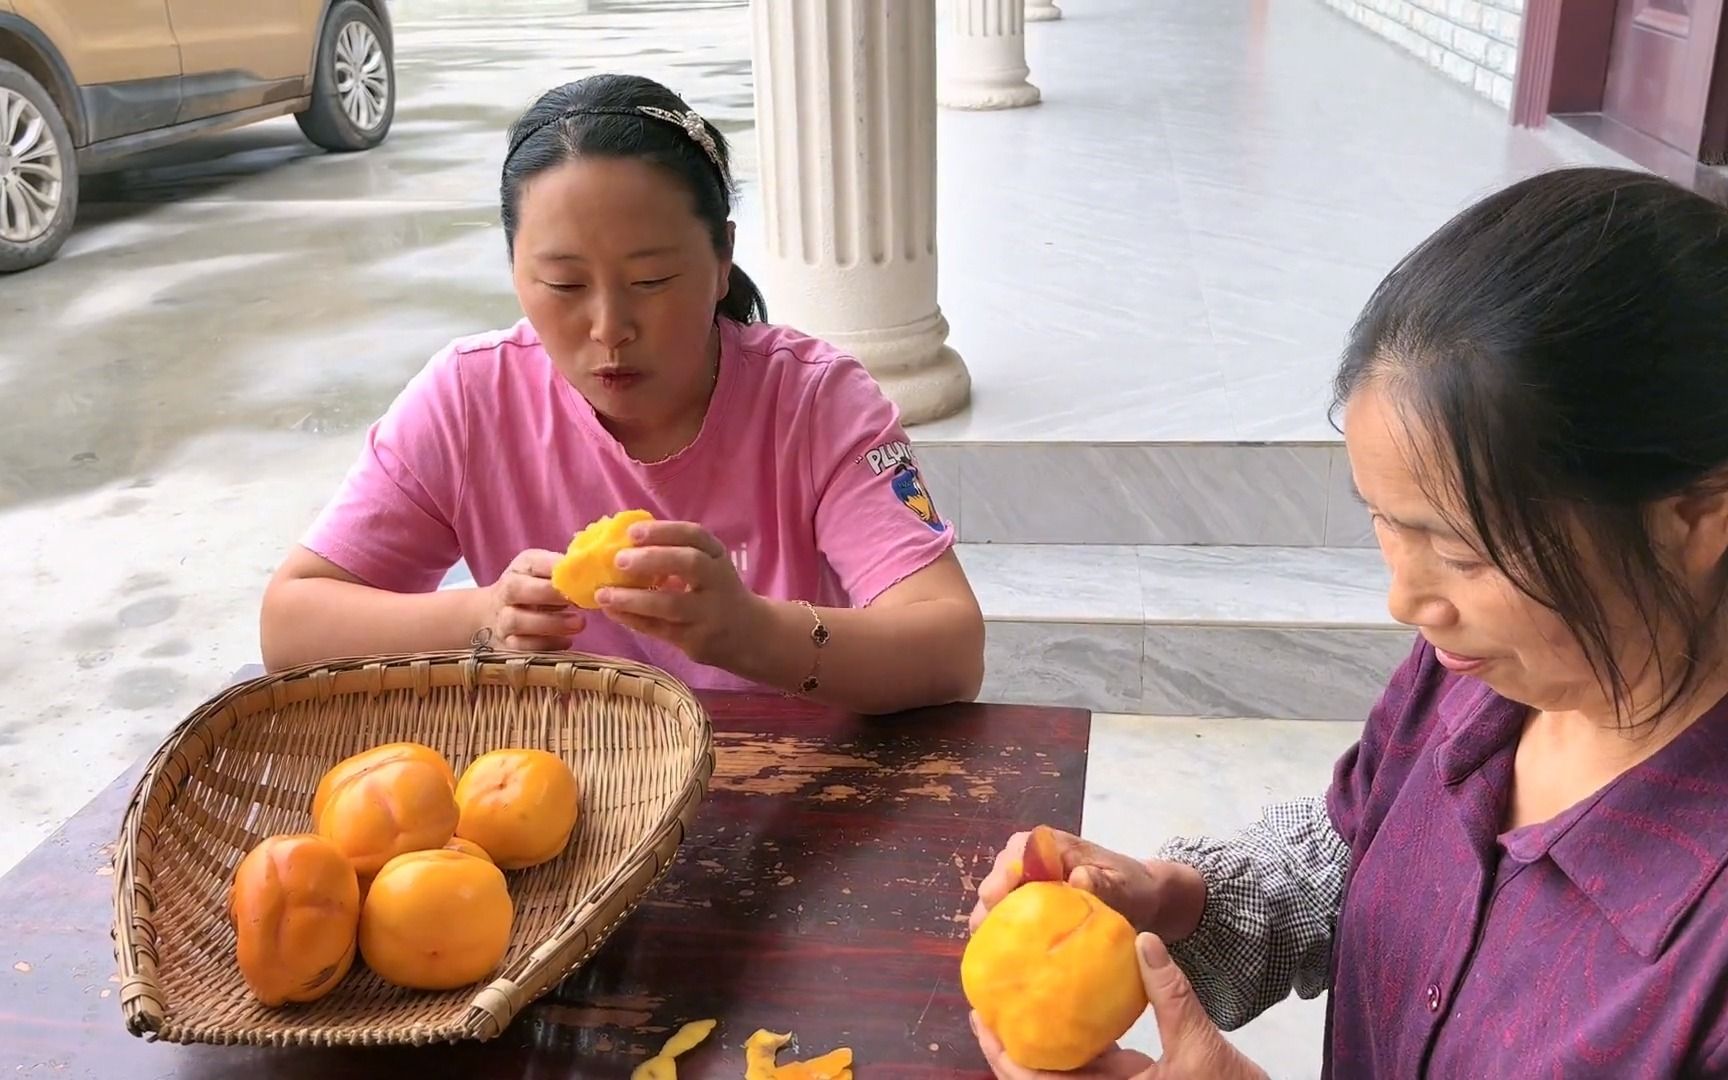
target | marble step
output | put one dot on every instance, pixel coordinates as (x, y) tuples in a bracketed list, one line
[(1295, 494), (1284, 633), (1276, 632)]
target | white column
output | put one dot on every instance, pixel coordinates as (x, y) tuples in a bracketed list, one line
[(846, 130), (1042, 11), (985, 65)]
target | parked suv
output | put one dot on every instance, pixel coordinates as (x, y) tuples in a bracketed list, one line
[(84, 83)]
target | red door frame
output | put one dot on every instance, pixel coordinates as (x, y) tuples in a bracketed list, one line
[(1563, 68)]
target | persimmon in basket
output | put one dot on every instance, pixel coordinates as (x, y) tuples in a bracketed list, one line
[(591, 563), (385, 802), (467, 847), (519, 805), (295, 905), (436, 920), (1052, 971)]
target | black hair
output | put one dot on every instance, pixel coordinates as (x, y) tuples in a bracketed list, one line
[(1565, 343), (601, 116)]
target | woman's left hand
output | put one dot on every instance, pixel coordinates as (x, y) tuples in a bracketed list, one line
[(1194, 1048), (700, 604)]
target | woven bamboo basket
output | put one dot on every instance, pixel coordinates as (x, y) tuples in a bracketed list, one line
[(245, 764)]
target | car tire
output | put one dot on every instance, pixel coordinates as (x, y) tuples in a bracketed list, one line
[(354, 86), (38, 172)]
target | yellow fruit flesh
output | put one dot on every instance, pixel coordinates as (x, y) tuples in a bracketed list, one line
[(760, 1050), (1052, 972), (662, 1066), (590, 563)]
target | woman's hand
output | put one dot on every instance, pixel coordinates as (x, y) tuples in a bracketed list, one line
[(1193, 1047), (525, 612), (699, 604), (1161, 898)]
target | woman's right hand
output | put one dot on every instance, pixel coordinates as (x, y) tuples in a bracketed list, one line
[(523, 610), (1159, 898)]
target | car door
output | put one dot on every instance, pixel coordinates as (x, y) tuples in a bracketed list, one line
[(239, 54), (122, 55)]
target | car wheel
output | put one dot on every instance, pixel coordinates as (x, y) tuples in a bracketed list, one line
[(354, 87), (38, 173)]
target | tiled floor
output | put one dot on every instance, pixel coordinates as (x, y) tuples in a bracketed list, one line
[(1174, 243), (1152, 778)]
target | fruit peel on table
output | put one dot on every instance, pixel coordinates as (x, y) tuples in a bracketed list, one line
[(761, 1049), (663, 1066)]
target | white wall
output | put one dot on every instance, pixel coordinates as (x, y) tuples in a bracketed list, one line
[(1473, 41)]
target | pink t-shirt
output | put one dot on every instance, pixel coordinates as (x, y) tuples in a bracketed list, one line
[(801, 469)]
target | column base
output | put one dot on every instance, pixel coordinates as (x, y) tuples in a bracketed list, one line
[(939, 389), (987, 95), (914, 366), (1042, 12)]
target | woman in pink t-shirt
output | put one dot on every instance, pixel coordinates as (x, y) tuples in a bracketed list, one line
[(795, 543)]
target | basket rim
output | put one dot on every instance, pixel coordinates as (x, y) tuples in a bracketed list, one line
[(494, 1004)]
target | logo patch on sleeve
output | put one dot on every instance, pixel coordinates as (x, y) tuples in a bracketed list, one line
[(896, 459)]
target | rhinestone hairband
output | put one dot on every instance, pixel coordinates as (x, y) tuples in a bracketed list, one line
[(691, 123)]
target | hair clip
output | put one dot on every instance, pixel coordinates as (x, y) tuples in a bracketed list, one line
[(693, 126)]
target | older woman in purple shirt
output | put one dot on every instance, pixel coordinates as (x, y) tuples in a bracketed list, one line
[(1519, 869)]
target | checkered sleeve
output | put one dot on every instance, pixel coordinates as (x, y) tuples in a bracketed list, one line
[(1273, 892)]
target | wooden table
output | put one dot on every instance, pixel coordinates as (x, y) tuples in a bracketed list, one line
[(824, 892)]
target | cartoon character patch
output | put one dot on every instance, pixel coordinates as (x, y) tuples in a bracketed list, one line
[(907, 485), (909, 489)]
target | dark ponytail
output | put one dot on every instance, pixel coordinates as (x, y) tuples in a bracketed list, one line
[(619, 116), (743, 300)]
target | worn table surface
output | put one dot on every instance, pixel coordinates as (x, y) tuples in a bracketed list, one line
[(823, 892)]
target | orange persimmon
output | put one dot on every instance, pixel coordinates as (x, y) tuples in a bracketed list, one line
[(1052, 972), (385, 802), (520, 805), (467, 847), (295, 905), (344, 771), (436, 920)]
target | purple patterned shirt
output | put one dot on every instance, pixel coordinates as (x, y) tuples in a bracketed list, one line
[(1594, 945)]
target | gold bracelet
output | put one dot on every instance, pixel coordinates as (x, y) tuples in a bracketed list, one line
[(819, 637)]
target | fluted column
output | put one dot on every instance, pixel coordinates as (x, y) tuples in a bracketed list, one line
[(1042, 11), (985, 66), (846, 129)]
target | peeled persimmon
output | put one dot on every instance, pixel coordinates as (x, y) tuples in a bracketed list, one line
[(1052, 971), (591, 563), (436, 920), (520, 805), (395, 802), (295, 905)]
